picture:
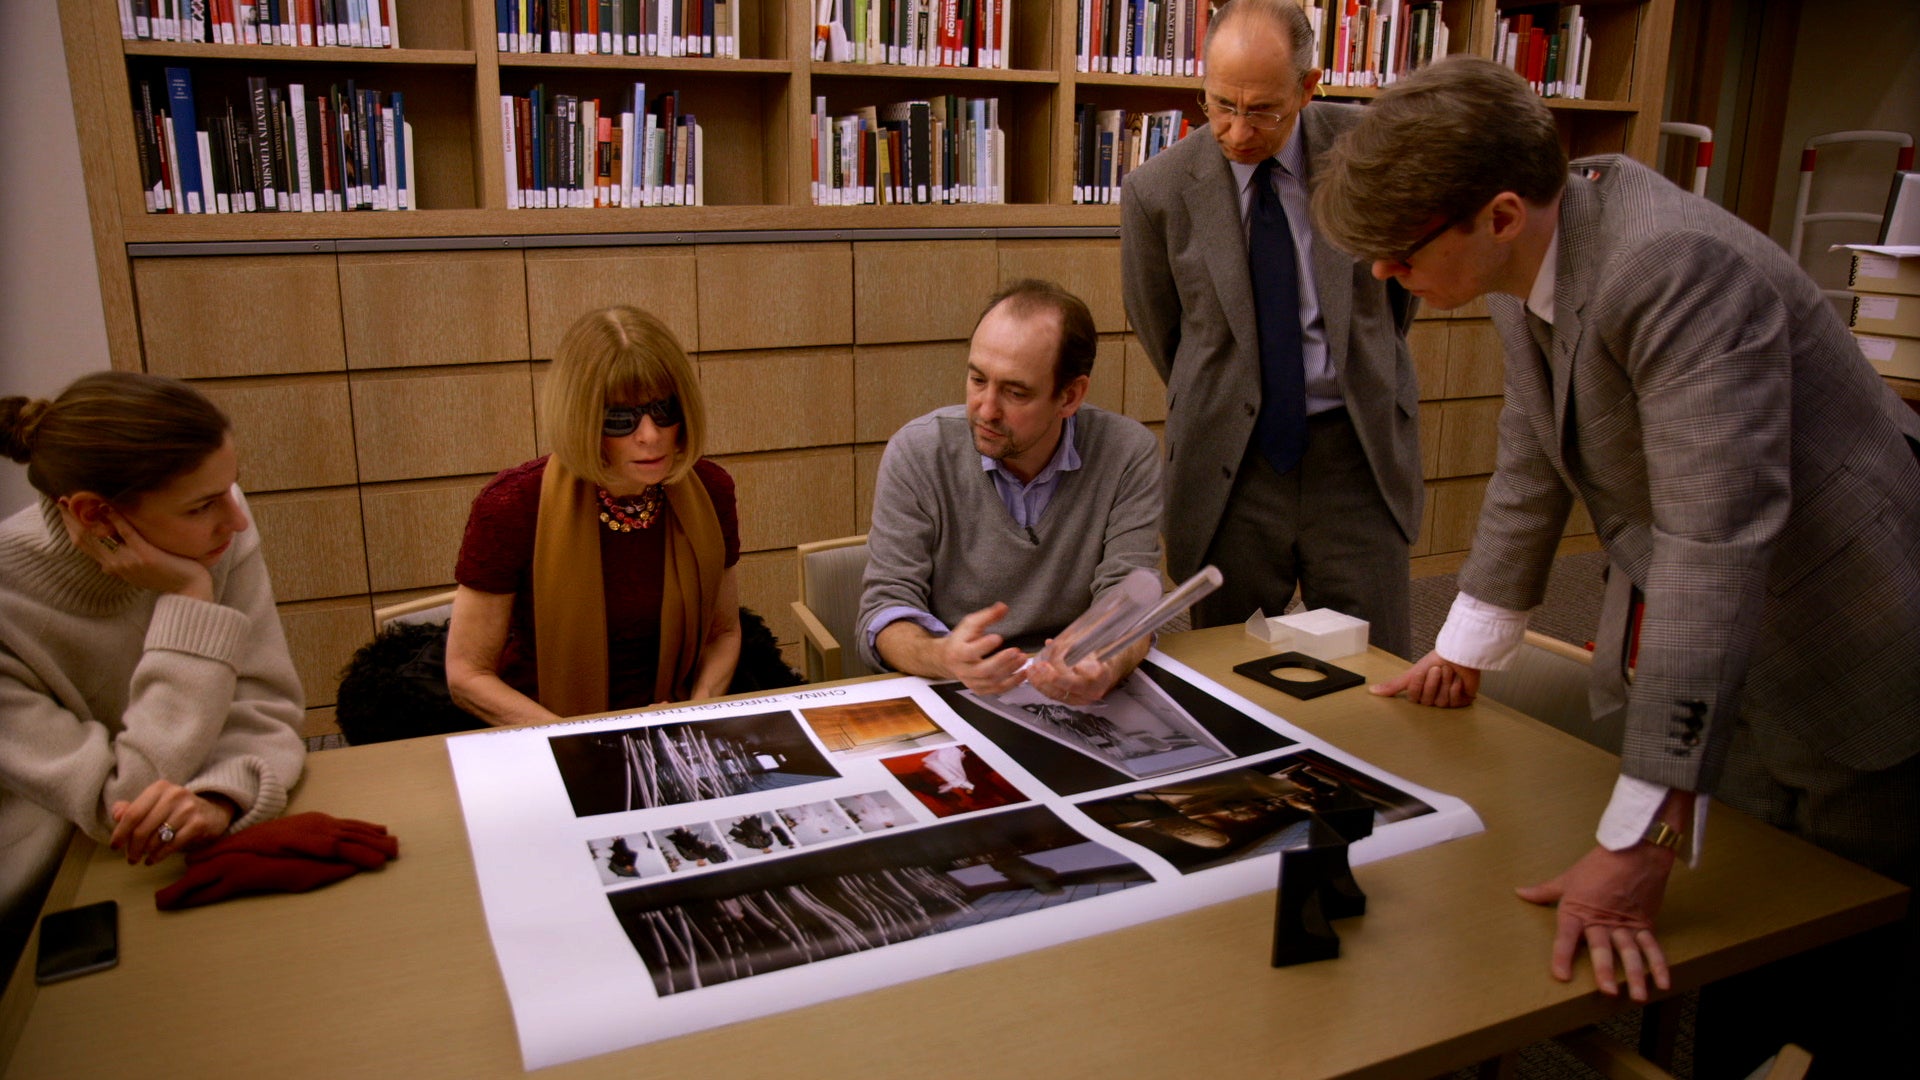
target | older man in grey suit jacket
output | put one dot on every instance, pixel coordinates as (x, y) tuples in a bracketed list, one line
[(1339, 519), (1746, 470)]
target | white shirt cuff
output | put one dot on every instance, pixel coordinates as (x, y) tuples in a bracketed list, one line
[(1632, 809), (1481, 635)]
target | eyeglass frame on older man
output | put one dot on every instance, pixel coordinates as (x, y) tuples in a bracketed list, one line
[(1260, 119)]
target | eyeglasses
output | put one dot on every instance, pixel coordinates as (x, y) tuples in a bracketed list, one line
[(1407, 258), (1223, 113), (625, 420)]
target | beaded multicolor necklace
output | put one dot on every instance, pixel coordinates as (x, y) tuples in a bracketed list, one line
[(626, 517)]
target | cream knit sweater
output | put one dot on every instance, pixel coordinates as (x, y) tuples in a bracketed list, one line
[(105, 688)]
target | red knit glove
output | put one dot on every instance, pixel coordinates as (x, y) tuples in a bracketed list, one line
[(239, 873), (311, 835)]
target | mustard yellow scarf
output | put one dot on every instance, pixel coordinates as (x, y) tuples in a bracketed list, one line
[(569, 596)]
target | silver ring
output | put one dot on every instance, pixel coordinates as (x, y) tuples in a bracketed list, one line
[(166, 833), (110, 543)]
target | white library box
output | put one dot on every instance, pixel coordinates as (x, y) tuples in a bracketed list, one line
[(1322, 633)]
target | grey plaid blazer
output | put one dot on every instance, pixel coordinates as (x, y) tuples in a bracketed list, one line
[(1742, 462), (1183, 255)]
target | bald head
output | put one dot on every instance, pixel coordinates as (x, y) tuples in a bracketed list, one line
[(1260, 74), (1256, 26)]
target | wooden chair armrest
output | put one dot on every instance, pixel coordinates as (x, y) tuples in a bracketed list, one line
[(384, 615), (1609, 1058), (1560, 648), (820, 640), (1791, 1063)]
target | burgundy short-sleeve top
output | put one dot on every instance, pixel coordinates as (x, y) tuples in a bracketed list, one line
[(496, 556)]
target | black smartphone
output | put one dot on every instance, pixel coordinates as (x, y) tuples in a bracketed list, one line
[(78, 941)]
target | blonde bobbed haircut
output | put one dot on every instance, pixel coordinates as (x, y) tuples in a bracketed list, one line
[(617, 357)]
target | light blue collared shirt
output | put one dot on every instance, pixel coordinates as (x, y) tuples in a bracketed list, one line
[(1290, 180)]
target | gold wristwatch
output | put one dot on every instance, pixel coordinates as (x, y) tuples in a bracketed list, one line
[(1661, 834)]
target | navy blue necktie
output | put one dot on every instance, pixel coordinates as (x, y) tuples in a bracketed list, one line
[(1280, 431)]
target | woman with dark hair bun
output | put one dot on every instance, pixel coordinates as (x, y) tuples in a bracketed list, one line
[(146, 690)]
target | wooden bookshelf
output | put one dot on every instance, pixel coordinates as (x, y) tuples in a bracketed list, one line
[(355, 350), (759, 107)]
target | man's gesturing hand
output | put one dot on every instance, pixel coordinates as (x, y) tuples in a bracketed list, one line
[(974, 656)]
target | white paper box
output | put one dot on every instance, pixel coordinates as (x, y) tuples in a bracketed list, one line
[(1325, 634), (1272, 631)]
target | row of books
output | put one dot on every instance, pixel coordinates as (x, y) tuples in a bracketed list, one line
[(568, 152), (1109, 143), (280, 150), (619, 27), (362, 24), (1141, 37), (918, 33), (1550, 48), (1373, 43), (947, 149)]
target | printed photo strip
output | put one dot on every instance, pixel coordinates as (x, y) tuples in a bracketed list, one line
[(1080, 750), (639, 768), (1244, 812), (707, 929), (1136, 729), (874, 727), (952, 780)]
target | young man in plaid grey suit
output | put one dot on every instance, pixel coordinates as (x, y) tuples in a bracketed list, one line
[(1749, 474)]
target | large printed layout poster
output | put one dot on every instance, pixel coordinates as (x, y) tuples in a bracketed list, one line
[(650, 875)]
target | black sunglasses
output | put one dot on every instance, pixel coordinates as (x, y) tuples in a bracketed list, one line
[(625, 420)]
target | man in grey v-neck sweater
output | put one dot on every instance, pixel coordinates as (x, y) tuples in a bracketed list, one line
[(995, 524)]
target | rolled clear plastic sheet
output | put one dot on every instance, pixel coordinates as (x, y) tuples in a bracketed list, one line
[(1102, 624), (1125, 614)]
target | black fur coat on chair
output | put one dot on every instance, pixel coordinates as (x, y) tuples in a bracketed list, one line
[(395, 687)]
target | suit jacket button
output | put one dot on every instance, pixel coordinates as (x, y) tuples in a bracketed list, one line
[(1250, 409), (1226, 472)]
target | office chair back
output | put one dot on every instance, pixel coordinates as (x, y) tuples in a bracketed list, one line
[(830, 574), (1548, 681)]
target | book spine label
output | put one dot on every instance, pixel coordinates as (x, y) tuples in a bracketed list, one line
[(263, 142), (509, 152), (185, 140), (302, 160)]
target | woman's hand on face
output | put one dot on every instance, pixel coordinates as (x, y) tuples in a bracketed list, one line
[(121, 551), (167, 818)]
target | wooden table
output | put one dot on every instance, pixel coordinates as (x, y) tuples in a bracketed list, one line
[(392, 973)]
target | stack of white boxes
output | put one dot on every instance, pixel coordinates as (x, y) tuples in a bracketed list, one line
[(1886, 311)]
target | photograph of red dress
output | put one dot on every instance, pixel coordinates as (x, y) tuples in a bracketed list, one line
[(953, 780)]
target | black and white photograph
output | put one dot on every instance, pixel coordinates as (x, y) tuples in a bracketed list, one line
[(750, 836), (862, 728), (875, 811), (1243, 812), (1065, 753), (1135, 729), (691, 846), (774, 914), (623, 860), (817, 823), (607, 772)]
